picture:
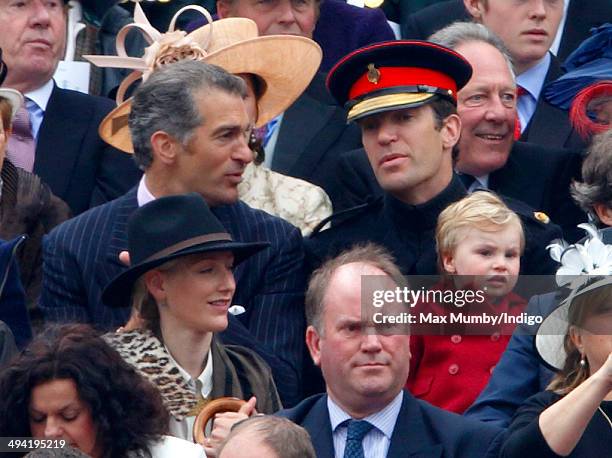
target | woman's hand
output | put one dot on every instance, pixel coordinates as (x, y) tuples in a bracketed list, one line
[(223, 423), (605, 372)]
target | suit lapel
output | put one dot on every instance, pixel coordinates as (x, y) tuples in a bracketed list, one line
[(410, 437), (118, 235), (549, 125), (318, 425), (61, 132)]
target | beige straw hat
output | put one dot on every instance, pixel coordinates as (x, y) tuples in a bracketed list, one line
[(285, 63)]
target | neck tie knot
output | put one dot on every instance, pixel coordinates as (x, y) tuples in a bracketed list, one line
[(357, 429)]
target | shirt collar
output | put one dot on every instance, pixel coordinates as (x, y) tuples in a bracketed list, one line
[(532, 80), (143, 195), (41, 95), (380, 419), (205, 377), (483, 181)]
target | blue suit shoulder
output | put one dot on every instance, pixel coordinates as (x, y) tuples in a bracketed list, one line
[(86, 221)]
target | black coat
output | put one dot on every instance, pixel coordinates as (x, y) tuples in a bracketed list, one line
[(408, 232), (539, 177), (72, 159)]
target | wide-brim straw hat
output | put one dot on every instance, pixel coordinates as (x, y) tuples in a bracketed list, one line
[(285, 64), (14, 97), (169, 228)]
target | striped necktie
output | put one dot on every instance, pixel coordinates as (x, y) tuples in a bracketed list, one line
[(21, 144)]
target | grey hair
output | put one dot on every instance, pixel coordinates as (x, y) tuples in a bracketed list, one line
[(596, 185), (459, 33), (285, 438), (167, 102)]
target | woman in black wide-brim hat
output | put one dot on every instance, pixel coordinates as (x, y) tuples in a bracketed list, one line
[(181, 283)]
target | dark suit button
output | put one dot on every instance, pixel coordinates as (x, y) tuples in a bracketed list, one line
[(453, 369), (455, 338)]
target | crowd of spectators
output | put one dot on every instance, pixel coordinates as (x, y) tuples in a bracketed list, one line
[(201, 234)]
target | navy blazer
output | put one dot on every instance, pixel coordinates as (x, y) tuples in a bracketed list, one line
[(421, 430), (81, 256), (519, 374), (343, 28), (72, 159), (312, 135)]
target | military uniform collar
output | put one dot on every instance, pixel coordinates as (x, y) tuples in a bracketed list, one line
[(417, 218)]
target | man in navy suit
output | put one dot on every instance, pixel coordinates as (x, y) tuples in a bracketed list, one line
[(69, 155), (365, 412), (189, 129)]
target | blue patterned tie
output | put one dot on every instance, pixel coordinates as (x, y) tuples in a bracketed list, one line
[(357, 429)]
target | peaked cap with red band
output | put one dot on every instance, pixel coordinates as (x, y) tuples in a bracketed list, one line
[(396, 74)]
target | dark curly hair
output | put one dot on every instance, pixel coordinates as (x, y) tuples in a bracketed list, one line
[(127, 410)]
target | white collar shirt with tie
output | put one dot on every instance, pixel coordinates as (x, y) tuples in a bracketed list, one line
[(377, 441)]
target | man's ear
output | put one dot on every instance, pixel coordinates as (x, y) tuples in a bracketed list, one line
[(165, 147), (313, 342), (604, 213), (475, 8), (451, 130), (223, 9)]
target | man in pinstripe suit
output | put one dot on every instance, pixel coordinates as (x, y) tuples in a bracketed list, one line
[(189, 128)]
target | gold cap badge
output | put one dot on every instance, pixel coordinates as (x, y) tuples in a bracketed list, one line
[(373, 74), (541, 217)]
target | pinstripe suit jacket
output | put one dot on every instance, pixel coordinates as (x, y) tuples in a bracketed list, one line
[(81, 256)]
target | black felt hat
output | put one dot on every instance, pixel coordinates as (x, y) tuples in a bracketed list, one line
[(396, 74), (168, 228)]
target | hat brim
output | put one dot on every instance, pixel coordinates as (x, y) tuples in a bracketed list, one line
[(118, 292), (15, 99), (389, 102), (550, 338), (284, 82)]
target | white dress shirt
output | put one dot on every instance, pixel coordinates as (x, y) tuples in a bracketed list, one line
[(203, 384), (377, 441)]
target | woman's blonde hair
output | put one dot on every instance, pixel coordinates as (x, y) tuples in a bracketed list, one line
[(143, 301), (583, 306), (482, 210)]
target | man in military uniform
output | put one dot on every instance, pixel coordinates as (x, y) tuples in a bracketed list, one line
[(403, 95)]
